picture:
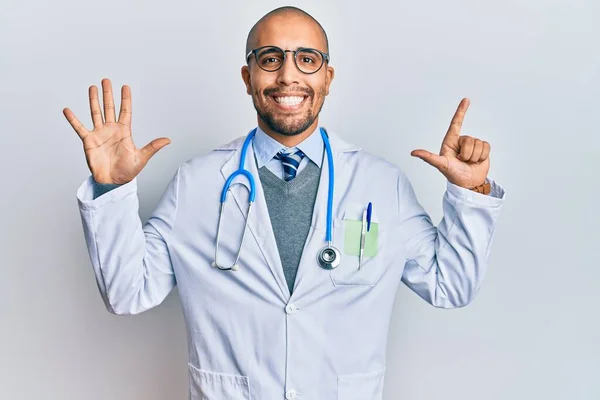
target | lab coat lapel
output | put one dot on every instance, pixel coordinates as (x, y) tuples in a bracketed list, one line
[(309, 272), (259, 222)]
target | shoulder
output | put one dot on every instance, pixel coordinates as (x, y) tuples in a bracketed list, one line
[(213, 159), (372, 162), (373, 166), (356, 157)]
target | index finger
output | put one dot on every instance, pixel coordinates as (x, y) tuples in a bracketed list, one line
[(457, 119)]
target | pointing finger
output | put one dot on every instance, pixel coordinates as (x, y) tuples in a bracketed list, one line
[(109, 102), (457, 119), (79, 128), (95, 107)]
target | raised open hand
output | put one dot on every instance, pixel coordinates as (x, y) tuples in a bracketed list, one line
[(463, 160), (109, 150)]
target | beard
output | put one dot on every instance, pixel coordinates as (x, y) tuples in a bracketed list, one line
[(289, 125)]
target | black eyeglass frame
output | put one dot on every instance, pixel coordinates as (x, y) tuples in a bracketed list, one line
[(324, 57)]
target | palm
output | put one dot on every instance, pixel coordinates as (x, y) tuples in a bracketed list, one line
[(110, 152), (462, 173)]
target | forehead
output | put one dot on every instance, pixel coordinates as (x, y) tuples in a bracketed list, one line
[(290, 32)]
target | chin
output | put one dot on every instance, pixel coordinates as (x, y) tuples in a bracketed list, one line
[(286, 124), (289, 126)]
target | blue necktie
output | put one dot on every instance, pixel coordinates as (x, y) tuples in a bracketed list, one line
[(291, 162)]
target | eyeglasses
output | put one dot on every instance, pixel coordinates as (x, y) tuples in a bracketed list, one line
[(271, 58)]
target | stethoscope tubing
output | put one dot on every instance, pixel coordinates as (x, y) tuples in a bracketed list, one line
[(252, 195)]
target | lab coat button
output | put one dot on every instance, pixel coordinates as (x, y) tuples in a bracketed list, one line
[(290, 394), (291, 309)]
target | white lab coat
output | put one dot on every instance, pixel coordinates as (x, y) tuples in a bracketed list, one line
[(247, 337)]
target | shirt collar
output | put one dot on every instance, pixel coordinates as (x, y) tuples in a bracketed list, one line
[(265, 147)]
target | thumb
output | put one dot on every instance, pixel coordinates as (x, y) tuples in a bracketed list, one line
[(153, 147), (430, 158)]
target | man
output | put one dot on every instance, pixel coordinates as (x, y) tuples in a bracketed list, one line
[(278, 325)]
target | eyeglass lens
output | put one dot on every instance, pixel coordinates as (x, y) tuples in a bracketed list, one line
[(271, 59)]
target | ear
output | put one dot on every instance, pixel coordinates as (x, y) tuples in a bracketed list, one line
[(246, 78), (328, 78)]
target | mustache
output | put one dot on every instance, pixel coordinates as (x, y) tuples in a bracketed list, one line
[(270, 91)]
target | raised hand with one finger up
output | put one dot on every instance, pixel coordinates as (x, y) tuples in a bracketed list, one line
[(463, 160)]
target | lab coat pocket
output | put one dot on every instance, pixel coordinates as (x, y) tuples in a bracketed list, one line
[(348, 236), (367, 386), (205, 385)]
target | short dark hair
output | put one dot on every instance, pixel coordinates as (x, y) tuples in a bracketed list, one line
[(281, 11)]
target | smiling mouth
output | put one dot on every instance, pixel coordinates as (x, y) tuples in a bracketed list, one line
[(289, 101)]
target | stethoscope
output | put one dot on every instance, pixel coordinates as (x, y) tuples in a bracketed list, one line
[(329, 257)]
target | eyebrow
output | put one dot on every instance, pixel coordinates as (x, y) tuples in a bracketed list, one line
[(296, 49), (268, 50)]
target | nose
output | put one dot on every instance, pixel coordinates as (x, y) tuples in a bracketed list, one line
[(288, 74)]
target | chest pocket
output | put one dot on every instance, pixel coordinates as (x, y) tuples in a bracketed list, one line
[(347, 238)]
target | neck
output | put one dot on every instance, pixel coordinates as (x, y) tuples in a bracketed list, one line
[(289, 141)]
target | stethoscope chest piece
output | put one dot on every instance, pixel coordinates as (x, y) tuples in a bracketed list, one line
[(234, 267), (329, 257)]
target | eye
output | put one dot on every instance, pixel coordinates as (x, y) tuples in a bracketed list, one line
[(307, 60), (270, 60)]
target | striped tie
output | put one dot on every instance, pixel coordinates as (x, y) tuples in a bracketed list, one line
[(291, 162)]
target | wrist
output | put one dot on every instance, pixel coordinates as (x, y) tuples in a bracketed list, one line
[(484, 188)]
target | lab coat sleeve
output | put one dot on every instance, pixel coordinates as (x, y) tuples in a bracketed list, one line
[(445, 265), (131, 261)]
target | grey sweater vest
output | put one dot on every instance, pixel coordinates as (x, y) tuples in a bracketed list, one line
[(290, 206)]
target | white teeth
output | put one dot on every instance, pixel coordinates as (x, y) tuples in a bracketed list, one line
[(289, 100)]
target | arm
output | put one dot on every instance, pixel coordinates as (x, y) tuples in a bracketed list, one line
[(131, 261), (445, 265)]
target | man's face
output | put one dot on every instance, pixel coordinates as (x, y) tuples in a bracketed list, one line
[(275, 94)]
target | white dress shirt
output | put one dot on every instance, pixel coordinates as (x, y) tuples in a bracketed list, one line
[(265, 149)]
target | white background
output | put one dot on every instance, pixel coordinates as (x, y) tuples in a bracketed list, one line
[(531, 69)]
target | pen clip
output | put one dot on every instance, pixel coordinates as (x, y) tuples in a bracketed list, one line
[(369, 212)]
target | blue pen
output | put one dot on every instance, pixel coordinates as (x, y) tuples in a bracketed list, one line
[(369, 211)]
